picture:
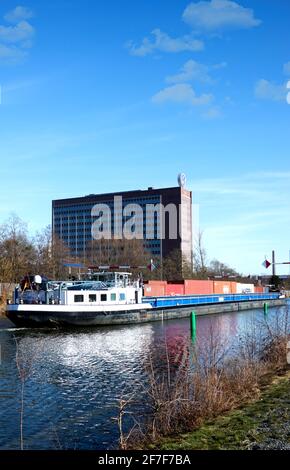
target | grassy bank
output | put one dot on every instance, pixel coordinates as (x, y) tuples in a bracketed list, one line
[(262, 424), (217, 395)]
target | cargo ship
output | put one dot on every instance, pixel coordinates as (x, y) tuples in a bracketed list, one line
[(112, 298)]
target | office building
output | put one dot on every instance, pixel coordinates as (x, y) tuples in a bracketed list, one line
[(163, 220)]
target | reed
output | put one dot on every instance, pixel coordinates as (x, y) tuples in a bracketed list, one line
[(208, 379)]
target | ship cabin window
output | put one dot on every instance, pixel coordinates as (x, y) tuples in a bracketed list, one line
[(113, 297), (103, 297), (122, 297), (79, 298), (92, 298)]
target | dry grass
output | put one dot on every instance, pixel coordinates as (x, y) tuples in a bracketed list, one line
[(210, 379)]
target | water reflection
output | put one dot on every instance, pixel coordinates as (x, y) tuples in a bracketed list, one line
[(76, 377)]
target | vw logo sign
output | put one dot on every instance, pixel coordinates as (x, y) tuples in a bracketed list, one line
[(182, 180)]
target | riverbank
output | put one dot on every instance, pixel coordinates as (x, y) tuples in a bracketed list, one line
[(5, 322), (211, 380), (263, 424)]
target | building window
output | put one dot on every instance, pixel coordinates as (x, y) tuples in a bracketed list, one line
[(103, 297), (113, 297), (79, 298), (92, 298), (122, 297)]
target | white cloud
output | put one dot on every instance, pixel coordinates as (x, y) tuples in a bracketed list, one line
[(193, 70), (23, 31), (212, 113), (220, 65), (182, 94), (262, 188), (266, 90), (10, 53), (286, 68), (19, 13), (164, 43), (16, 38), (216, 15)]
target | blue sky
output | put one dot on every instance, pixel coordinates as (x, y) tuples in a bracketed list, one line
[(101, 96)]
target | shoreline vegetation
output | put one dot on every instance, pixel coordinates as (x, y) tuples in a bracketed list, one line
[(263, 424), (216, 395)]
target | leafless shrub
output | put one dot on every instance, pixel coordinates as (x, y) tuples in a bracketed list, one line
[(274, 338), (211, 377), (123, 405)]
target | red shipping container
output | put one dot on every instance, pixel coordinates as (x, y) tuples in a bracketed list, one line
[(233, 287), (154, 291), (155, 288), (174, 289), (157, 283), (198, 287), (259, 289), (222, 287)]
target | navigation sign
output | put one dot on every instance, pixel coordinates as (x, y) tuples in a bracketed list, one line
[(266, 264)]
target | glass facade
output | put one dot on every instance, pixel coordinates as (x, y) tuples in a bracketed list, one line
[(73, 223), (72, 219)]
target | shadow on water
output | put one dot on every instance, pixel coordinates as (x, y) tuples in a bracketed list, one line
[(77, 376)]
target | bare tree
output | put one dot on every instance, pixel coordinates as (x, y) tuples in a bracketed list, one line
[(17, 253), (176, 266), (117, 252), (217, 268), (200, 257), (52, 254)]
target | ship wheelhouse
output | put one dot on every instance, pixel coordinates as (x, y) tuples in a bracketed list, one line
[(95, 289)]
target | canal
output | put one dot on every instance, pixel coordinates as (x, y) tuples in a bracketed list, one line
[(74, 379)]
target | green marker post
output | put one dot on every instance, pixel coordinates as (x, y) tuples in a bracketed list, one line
[(193, 325), (266, 308)]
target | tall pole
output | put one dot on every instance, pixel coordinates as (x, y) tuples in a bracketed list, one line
[(161, 241), (273, 263)]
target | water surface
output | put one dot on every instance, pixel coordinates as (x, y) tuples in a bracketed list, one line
[(75, 378)]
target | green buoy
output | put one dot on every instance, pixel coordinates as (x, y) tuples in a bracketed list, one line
[(193, 325), (266, 308)]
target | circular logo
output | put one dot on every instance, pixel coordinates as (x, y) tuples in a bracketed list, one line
[(182, 180)]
